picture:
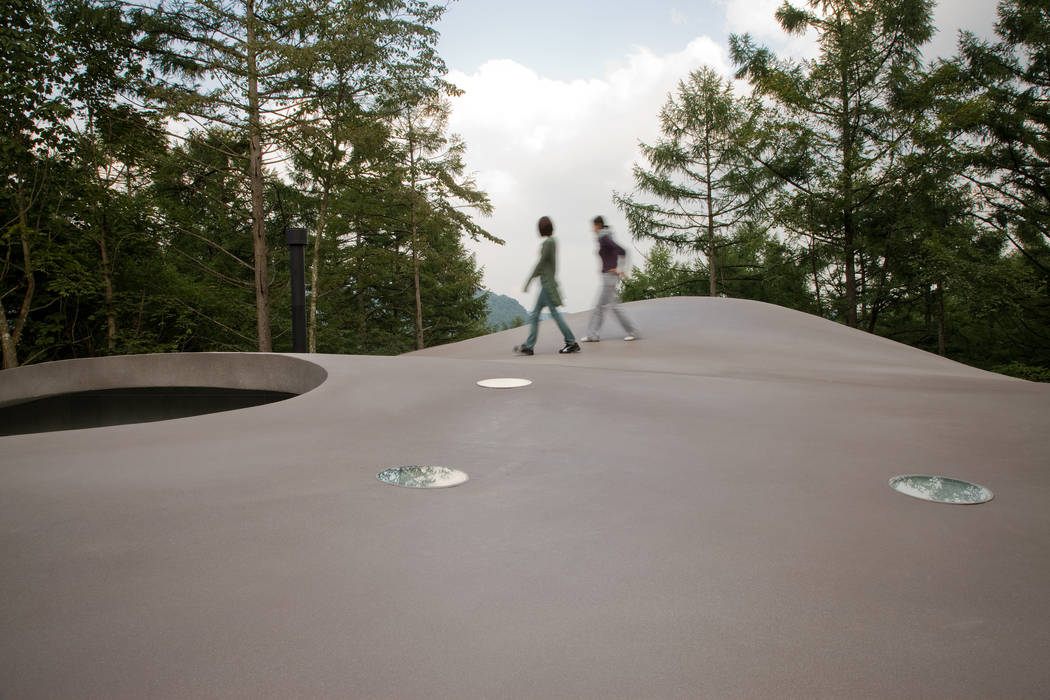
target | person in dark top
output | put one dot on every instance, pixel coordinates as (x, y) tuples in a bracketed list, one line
[(550, 295), (610, 253)]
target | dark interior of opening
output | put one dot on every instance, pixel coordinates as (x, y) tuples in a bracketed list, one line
[(95, 409)]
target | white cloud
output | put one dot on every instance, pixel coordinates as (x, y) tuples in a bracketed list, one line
[(559, 148), (951, 16), (678, 17), (758, 18)]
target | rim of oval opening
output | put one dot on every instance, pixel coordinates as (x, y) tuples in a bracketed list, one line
[(940, 489)]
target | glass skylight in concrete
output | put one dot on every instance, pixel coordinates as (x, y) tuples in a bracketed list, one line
[(504, 383), (941, 489), (422, 477)]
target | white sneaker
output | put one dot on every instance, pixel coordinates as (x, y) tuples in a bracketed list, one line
[(589, 339), (629, 337)]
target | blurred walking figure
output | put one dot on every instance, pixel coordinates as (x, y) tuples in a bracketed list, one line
[(610, 253), (550, 295)]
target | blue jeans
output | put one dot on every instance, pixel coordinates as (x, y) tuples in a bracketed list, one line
[(544, 301)]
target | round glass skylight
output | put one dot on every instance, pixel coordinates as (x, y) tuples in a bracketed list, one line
[(941, 489), (422, 477)]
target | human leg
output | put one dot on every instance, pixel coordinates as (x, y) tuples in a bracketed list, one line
[(624, 321), (564, 327), (595, 323), (604, 296), (534, 319), (612, 294)]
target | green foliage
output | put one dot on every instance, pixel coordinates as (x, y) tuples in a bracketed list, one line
[(1007, 84), (908, 201), (904, 199), (120, 237), (1023, 371), (700, 184), (838, 127), (663, 277)]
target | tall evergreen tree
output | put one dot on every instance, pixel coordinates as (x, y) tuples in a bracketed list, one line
[(1005, 109), (33, 114), (68, 67), (440, 196), (234, 60), (365, 62), (699, 184), (1010, 81), (840, 129)]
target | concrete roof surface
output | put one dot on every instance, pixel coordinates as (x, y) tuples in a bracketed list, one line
[(703, 513)]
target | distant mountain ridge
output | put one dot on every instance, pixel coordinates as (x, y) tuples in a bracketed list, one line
[(503, 311)]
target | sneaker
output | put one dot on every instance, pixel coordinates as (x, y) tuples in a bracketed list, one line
[(523, 350), (631, 336), (589, 339), (570, 347)]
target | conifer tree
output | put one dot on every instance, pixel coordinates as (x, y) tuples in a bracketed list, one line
[(840, 133), (699, 184), (440, 196)]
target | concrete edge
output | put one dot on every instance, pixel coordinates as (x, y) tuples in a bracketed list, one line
[(259, 371)]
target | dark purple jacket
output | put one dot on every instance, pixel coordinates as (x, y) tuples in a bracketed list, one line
[(609, 251)]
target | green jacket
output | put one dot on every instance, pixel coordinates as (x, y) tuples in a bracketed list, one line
[(545, 269)]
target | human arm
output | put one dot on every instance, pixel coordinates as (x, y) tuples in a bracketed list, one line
[(545, 262)]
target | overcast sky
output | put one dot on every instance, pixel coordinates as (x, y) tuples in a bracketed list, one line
[(557, 95)]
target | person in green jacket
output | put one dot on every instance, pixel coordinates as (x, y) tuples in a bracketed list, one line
[(550, 296)]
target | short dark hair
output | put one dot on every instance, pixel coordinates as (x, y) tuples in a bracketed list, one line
[(545, 226), (600, 221)]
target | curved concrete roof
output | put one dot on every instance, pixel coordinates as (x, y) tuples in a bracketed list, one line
[(702, 513)]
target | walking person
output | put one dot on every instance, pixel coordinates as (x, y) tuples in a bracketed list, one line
[(550, 295), (610, 253)]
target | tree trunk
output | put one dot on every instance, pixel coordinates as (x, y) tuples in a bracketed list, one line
[(816, 277), (419, 298), (941, 344), (928, 304), (712, 269), (848, 223), (851, 278), (9, 336), (142, 306), (255, 174), (415, 242), (7, 343), (361, 320), (107, 280), (315, 272), (712, 273)]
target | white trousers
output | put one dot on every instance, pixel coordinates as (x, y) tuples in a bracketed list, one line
[(609, 298)]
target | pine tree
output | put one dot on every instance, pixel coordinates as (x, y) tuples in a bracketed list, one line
[(839, 132), (365, 62), (1009, 81), (699, 184), (235, 62), (440, 196)]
